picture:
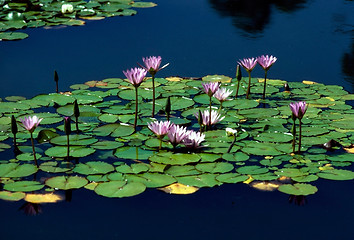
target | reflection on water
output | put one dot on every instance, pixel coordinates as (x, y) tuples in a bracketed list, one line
[(348, 65), (252, 16)]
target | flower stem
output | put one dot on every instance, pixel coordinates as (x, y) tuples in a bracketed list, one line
[(68, 146), (238, 87), (300, 123), (160, 144), (34, 151), (249, 85), (77, 124), (293, 131), (136, 108), (232, 144), (153, 95), (210, 112), (265, 84)]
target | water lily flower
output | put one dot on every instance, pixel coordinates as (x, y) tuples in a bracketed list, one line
[(210, 88), (152, 65), (209, 120), (298, 109), (222, 94), (231, 131), (193, 139), (135, 76), (160, 129), (266, 62), (176, 134), (30, 123), (248, 64), (67, 8)]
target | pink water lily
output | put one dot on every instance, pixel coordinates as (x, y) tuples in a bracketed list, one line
[(177, 134), (135, 76), (210, 88), (266, 61), (193, 139), (208, 120), (152, 64), (30, 123), (298, 109), (160, 129), (248, 63), (222, 94)]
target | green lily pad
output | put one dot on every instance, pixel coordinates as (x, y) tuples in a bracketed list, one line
[(203, 180), (75, 151), (74, 140), (231, 178), (66, 182), (17, 170), (152, 180), (90, 168), (56, 167), (23, 186), (119, 189), (12, 36), (133, 168), (336, 174), (219, 167), (11, 196), (298, 189), (133, 153)]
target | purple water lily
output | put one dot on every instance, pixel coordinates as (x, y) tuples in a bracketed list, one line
[(248, 64), (135, 76), (266, 62)]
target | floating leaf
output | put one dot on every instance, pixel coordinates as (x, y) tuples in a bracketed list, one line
[(23, 186), (178, 188), (66, 182), (298, 189), (17, 170), (11, 196), (336, 174), (119, 189), (43, 198), (90, 168)]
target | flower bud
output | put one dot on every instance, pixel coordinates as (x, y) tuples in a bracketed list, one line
[(238, 73), (168, 105), (14, 128), (67, 125), (76, 109)]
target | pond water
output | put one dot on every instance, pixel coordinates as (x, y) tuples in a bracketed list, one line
[(313, 40)]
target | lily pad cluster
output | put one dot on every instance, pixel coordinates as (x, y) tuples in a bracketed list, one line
[(21, 14), (109, 157)]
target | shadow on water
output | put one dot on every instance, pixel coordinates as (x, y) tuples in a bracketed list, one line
[(253, 16), (348, 65)]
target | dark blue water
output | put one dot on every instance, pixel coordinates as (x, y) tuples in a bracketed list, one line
[(313, 40)]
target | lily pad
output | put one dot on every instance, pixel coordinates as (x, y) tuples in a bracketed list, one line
[(119, 189), (23, 186), (66, 182), (298, 189)]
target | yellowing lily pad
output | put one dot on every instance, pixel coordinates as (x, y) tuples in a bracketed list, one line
[(178, 188)]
